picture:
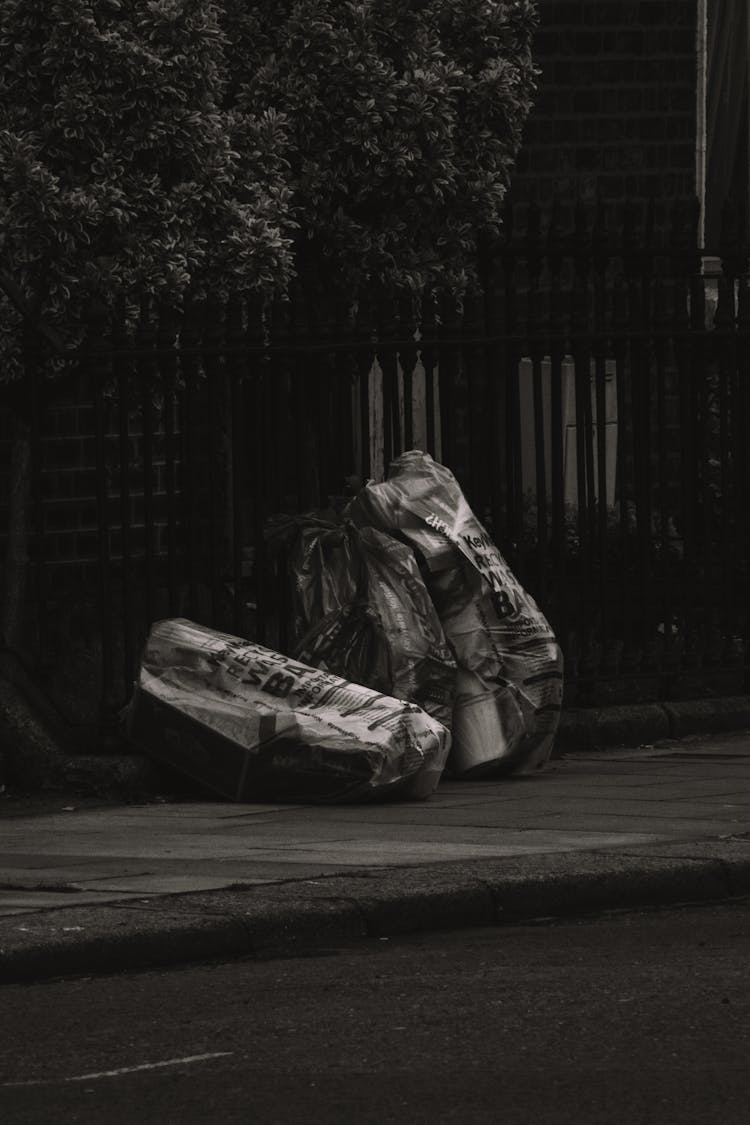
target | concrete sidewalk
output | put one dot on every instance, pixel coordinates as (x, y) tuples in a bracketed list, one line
[(124, 887)]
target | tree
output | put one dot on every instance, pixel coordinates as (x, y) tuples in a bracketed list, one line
[(403, 122), (123, 173), (122, 169), (151, 146)]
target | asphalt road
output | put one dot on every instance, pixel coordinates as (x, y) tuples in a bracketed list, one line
[(637, 1018)]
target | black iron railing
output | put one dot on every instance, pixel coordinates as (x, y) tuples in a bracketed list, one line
[(592, 395)]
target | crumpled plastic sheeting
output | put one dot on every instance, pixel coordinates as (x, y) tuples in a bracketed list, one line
[(510, 666), (362, 611), (251, 724), (371, 618)]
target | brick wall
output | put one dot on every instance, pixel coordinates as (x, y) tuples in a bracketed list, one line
[(67, 483), (615, 110), (84, 617), (70, 523)]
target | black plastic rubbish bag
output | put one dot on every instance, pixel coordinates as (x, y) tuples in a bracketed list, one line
[(362, 611), (252, 724), (510, 666)]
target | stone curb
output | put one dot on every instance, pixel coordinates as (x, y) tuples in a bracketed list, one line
[(125, 775), (290, 919), (636, 724)]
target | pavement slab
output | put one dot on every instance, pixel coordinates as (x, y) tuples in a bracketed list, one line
[(114, 888)]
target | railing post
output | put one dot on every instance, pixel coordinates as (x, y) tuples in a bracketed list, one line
[(471, 390), (495, 422), (515, 549), (195, 516), (386, 331), (99, 372), (452, 409), (742, 446), (364, 359), (122, 385)]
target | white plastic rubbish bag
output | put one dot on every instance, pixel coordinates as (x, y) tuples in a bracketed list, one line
[(252, 724), (510, 667)]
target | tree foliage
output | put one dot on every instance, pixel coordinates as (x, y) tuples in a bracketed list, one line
[(123, 171), (404, 120), (149, 146)]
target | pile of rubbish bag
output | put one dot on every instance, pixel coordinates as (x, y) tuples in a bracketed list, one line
[(415, 651)]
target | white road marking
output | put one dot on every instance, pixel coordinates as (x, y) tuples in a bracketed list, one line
[(123, 1070)]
